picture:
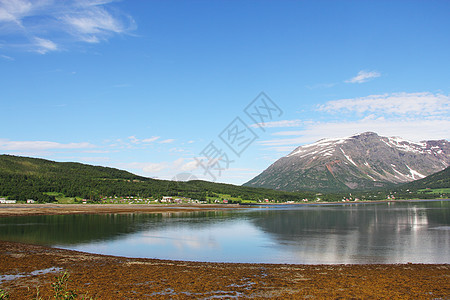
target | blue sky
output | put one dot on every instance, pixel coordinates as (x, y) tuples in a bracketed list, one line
[(155, 87)]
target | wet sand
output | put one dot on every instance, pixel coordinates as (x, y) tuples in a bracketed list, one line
[(108, 277)]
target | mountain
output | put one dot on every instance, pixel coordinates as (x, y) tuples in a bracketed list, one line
[(359, 162)]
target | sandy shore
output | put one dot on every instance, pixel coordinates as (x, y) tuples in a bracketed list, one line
[(64, 209), (23, 268)]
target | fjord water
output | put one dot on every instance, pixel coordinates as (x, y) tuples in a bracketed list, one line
[(393, 232)]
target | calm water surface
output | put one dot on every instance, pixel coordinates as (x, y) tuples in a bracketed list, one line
[(401, 232)]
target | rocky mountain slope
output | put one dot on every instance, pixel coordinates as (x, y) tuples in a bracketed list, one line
[(357, 162)]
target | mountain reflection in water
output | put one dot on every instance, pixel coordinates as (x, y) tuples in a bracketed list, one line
[(395, 232)]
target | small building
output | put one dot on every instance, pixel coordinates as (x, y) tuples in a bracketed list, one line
[(4, 201), (30, 201), (166, 199)]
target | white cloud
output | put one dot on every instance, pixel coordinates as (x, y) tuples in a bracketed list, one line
[(282, 123), (168, 141), (6, 57), (135, 140), (363, 76), (94, 23), (424, 103), (415, 116), (412, 129), (189, 166), (14, 10), (43, 46), (162, 169), (7, 145), (41, 25), (154, 167), (150, 140)]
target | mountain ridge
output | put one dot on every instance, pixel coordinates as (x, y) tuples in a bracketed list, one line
[(357, 162)]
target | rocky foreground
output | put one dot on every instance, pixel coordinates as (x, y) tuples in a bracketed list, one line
[(108, 277)]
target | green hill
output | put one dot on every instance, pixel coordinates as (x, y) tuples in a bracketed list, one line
[(16, 165), (24, 178), (437, 180)]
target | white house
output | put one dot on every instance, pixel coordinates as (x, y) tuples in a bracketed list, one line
[(166, 199), (4, 201)]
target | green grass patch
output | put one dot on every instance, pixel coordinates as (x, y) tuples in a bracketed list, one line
[(62, 199), (54, 194), (436, 191)]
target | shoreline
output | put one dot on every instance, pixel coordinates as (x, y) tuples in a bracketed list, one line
[(9, 210), (112, 277), (25, 267)]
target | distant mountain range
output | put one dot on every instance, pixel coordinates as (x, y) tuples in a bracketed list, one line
[(359, 162)]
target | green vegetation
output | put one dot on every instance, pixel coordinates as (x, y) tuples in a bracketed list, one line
[(23, 178), (62, 199), (4, 295), (436, 191), (437, 180), (60, 289)]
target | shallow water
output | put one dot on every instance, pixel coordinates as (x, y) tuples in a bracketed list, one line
[(395, 232)]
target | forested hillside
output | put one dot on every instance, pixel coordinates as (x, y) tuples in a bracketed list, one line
[(435, 181), (24, 178)]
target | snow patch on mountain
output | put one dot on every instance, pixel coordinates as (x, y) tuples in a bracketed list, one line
[(414, 174), (360, 161), (348, 158)]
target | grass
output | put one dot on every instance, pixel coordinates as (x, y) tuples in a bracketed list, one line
[(436, 191), (222, 197), (4, 295), (62, 199), (60, 287), (60, 290)]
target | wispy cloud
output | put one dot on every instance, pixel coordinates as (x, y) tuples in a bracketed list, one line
[(135, 140), (415, 116), (363, 76), (150, 140), (415, 130), (43, 46), (164, 170), (168, 141), (7, 57), (275, 124), (43, 26), (398, 103), (7, 145), (15, 10)]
